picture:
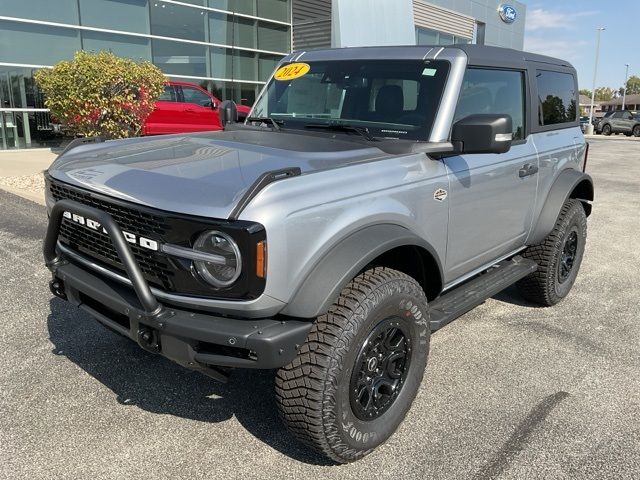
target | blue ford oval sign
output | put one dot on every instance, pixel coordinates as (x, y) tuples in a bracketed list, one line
[(507, 13)]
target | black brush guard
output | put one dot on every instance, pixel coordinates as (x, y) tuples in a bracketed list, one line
[(199, 341)]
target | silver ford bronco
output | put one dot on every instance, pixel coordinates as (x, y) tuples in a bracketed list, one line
[(372, 196)]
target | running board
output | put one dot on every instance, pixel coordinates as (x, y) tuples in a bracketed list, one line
[(463, 298)]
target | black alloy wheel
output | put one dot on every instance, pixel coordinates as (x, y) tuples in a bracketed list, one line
[(380, 370), (568, 256)]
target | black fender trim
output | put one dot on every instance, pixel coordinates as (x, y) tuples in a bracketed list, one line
[(560, 191), (344, 261)]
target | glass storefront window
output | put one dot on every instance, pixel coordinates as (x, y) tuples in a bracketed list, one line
[(274, 9), (177, 21), (446, 39), (25, 43), (124, 15), (273, 38), (424, 36), (19, 129), (462, 40), (136, 48), (200, 3), (244, 65), (36, 44), (247, 7), (244, 32), (180, 58), (60, 11), (220, 4), (266, 66), (220, 28), (220, 62)]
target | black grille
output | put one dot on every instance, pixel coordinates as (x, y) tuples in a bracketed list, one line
[(97, 245), (168, 273), (129, 219)]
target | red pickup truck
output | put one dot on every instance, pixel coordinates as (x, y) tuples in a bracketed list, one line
[(186, 107)]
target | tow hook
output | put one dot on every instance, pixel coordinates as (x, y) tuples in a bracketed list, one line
[(57, 288), (148, 339)]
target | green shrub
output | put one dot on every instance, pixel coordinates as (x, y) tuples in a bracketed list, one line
[(100, 94)]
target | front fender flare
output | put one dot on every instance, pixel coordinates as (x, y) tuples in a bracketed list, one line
[(344, 261), (559, 193)]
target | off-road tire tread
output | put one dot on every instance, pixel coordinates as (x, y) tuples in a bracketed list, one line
[(301, 394), (537, 287)]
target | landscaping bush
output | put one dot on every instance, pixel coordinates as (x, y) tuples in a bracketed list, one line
[(100, 94)]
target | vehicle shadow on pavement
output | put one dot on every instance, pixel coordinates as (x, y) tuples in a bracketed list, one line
[(512, 296), (157, 385)]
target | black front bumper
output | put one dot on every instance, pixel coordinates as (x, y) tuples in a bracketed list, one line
[(196, 340)]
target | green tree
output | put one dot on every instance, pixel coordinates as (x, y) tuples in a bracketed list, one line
[(554, 110), (100, 94), (585, 92), (604, 93), (633, 85)]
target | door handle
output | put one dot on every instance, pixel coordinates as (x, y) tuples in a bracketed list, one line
[(527, 169), (189, 110)]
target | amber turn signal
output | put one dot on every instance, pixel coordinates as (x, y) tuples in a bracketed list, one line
[(261, 259)]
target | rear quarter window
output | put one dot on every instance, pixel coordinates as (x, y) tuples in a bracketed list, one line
[(556, 98)]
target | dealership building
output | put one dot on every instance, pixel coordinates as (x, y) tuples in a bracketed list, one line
[(228, 46)]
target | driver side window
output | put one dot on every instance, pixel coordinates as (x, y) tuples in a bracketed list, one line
[(495, 92), (193, 95)]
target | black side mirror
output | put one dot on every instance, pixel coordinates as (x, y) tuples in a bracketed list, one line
[(228, 112), (482, 133)]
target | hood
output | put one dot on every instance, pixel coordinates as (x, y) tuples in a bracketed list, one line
[(202, 174)]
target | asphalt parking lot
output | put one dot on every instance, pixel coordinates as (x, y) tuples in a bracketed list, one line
[(511, 390)]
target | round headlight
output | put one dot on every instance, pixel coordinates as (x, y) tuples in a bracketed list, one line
[(225, 264)]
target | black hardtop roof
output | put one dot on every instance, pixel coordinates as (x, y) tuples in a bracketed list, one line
[(484, 55), (480, 55)]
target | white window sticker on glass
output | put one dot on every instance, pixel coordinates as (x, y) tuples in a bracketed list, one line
[(429, 72)]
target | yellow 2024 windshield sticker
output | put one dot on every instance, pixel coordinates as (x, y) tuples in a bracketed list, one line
[(291, 71)]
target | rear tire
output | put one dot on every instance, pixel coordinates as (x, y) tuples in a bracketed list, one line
[(606, 130), (359, 370), (558, 257)]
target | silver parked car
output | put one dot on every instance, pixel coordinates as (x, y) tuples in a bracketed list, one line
[(373, 196), (619, 121)]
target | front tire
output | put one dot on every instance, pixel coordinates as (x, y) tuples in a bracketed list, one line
[(359, 370), (558, 257), (636, 131), (606, 130)]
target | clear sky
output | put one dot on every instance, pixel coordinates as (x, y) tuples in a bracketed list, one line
[(567, 29)]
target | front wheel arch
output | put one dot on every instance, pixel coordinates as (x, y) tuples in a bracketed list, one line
[(360, 250)]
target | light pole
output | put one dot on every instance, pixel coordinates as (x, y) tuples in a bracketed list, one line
[(593, 90), (626, 77)]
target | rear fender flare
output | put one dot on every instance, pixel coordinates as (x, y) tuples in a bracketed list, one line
[(560, 192)]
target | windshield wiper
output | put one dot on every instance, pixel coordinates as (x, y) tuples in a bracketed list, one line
[(364, 131), (274, 123)]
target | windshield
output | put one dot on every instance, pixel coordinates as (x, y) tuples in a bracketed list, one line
[(392, 99)]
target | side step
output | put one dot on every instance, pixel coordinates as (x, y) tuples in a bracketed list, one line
[(463, 298)]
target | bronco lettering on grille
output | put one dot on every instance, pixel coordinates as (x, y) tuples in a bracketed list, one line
[(128, 236)]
